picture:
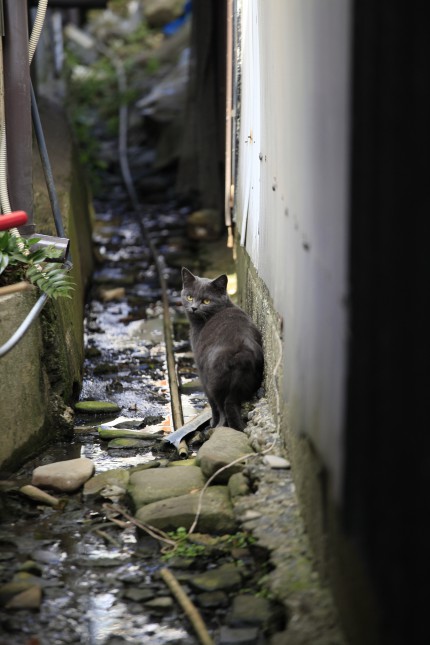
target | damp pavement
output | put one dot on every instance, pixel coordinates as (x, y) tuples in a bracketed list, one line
[(83, 569), (72, 568), (79, 565)]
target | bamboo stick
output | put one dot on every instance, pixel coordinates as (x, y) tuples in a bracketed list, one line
[(13, 288), (40, 496), (188, 606)]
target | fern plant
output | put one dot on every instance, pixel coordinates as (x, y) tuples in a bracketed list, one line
[(22, 263)]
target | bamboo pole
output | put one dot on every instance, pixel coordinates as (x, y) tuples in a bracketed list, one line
[(188, 606), (14, 288)]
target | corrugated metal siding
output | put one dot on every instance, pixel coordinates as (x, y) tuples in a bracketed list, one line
[(291, 196)]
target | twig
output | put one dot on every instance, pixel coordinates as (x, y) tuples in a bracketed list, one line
[(107, 537), (157, 534), (189, 608), (211, 478)]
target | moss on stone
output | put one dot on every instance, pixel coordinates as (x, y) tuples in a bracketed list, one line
[(96, 407)]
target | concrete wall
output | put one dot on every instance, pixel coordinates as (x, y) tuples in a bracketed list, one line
[(39, 376)]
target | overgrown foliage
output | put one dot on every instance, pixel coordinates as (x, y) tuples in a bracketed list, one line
[(35, 266)]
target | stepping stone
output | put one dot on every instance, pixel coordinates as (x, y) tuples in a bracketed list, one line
[(29, 599), (115, 477), (148, 486), (67, 476), (96, 407), (216, 514), (224, 446)]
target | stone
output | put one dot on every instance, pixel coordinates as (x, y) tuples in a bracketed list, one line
[(183, 462), (96, 407), (226, 577), (163, 602), (250, 515), (29, 599), (67, 476), (125, 442), (116, 477), (148, 486), (216, 514), (29, 566), (212, 599), (138, 595), (224, 446), (249, 610), (10, 589), (276, 462), (242, 636), (238, 485)]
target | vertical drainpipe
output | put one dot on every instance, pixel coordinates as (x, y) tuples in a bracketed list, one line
[(228, 116), (18, 109)]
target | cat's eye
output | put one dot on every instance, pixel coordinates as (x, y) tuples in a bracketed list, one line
[(190, 298), (206, 301)]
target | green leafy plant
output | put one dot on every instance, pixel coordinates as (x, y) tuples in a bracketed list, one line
[(18, 262), (184, 548), (240, 540)]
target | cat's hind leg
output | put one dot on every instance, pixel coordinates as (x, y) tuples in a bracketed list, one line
[(232, 410), (215, 413)]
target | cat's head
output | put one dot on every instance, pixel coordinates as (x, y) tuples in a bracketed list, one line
[(201, 297)]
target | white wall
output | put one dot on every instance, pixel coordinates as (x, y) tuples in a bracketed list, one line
[(291, 196)]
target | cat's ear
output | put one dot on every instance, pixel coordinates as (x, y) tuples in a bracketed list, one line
[(220, 283), (187, 277)]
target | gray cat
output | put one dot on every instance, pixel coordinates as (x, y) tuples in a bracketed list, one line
[(226, 345)]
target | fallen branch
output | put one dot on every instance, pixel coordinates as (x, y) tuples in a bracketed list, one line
[(187, 605), (208, 482), (157, 534)]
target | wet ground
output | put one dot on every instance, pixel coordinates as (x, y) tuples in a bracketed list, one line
[(100, 580)]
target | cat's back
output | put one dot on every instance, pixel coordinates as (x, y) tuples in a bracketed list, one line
[(229, 326)]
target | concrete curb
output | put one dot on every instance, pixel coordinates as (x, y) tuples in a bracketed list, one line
[(40, 375)]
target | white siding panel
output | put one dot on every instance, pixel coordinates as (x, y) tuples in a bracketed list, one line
[(249, 141), (294, 99)]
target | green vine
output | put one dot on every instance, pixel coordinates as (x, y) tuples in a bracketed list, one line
[(22, 263)]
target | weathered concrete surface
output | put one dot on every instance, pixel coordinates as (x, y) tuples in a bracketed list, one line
[(307, 531), (40, 374)]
